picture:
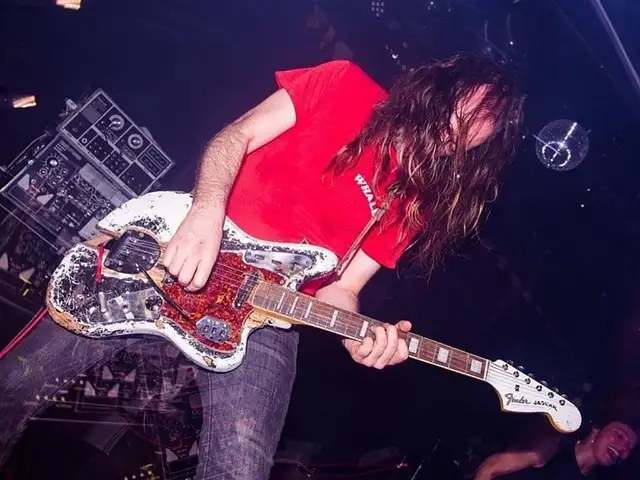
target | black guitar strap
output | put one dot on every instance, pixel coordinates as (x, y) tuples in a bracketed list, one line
[(375, 218)]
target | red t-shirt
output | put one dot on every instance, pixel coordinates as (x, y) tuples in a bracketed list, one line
[(283, 193)]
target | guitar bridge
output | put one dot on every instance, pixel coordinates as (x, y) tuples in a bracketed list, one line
[(213, 329), (139, 305), (283, 263)]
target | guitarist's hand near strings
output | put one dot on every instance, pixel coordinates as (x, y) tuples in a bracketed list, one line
[(387, 347), (385, 350), (194, 248)]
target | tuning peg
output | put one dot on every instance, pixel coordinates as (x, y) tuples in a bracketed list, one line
[(521, 368), (557, 390), (510, 362), (544, 383), (564, 395), (531, 375)]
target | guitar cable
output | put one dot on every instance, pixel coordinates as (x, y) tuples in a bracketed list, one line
[(23, 333)]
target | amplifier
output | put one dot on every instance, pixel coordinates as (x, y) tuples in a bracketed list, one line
[(102, 132), (63, 193)]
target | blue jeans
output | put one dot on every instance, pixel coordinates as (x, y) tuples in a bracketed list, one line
[(243, 410)]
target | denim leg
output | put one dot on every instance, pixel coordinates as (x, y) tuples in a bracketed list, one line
[(244, 410), (37, 368)]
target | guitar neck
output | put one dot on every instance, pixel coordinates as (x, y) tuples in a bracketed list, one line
[(299, 308)]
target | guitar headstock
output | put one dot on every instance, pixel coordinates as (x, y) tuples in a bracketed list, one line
[(521, 393)]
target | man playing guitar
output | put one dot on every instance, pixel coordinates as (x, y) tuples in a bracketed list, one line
[(313, 162)]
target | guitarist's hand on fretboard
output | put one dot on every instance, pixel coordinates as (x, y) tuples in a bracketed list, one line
[(385, 348)]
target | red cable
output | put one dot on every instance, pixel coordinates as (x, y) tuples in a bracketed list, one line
[(23, 333), (99, 264)]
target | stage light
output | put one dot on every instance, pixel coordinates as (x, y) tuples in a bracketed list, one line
[(18, 101), (377, 7), (69, 4), (23, 101)]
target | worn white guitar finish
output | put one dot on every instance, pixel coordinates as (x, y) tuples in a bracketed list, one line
[(106, 289)]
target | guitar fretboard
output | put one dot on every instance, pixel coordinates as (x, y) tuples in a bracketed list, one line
[(291, 305)]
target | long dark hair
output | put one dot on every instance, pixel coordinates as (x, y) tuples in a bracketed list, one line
[(442, 195)]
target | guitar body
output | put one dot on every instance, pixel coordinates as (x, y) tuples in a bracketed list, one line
[(117, 287)]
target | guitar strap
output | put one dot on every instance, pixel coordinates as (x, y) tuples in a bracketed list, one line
[(355, 246)]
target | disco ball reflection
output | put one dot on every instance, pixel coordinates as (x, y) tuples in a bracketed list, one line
[(562, 145)]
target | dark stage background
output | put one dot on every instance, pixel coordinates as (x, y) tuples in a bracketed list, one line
[(547, 282)]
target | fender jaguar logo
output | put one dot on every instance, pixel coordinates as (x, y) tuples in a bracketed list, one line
[(511, 398), (545, 404)]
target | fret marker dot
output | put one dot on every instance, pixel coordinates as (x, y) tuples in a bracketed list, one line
[(443, 355), (476, 366)]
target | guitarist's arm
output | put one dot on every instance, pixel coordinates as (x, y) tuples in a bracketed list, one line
[(194, 248), (223, 155)]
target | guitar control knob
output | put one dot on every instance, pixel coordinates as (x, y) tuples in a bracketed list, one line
[(153, 303)]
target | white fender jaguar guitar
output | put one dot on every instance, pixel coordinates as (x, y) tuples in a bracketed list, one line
[(117, 286)]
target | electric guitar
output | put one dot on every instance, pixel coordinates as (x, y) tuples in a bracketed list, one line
[(116, 285)]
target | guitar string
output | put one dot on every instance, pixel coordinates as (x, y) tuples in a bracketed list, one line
[(234, 277), (454, 364), (504, 379), (240, 277), (325, 313)]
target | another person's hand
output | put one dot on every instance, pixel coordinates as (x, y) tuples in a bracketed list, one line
[(386, 349), (194, 248), (486, 469), (483, 475)]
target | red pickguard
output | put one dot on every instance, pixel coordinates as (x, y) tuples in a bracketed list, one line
[(216, 299)]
